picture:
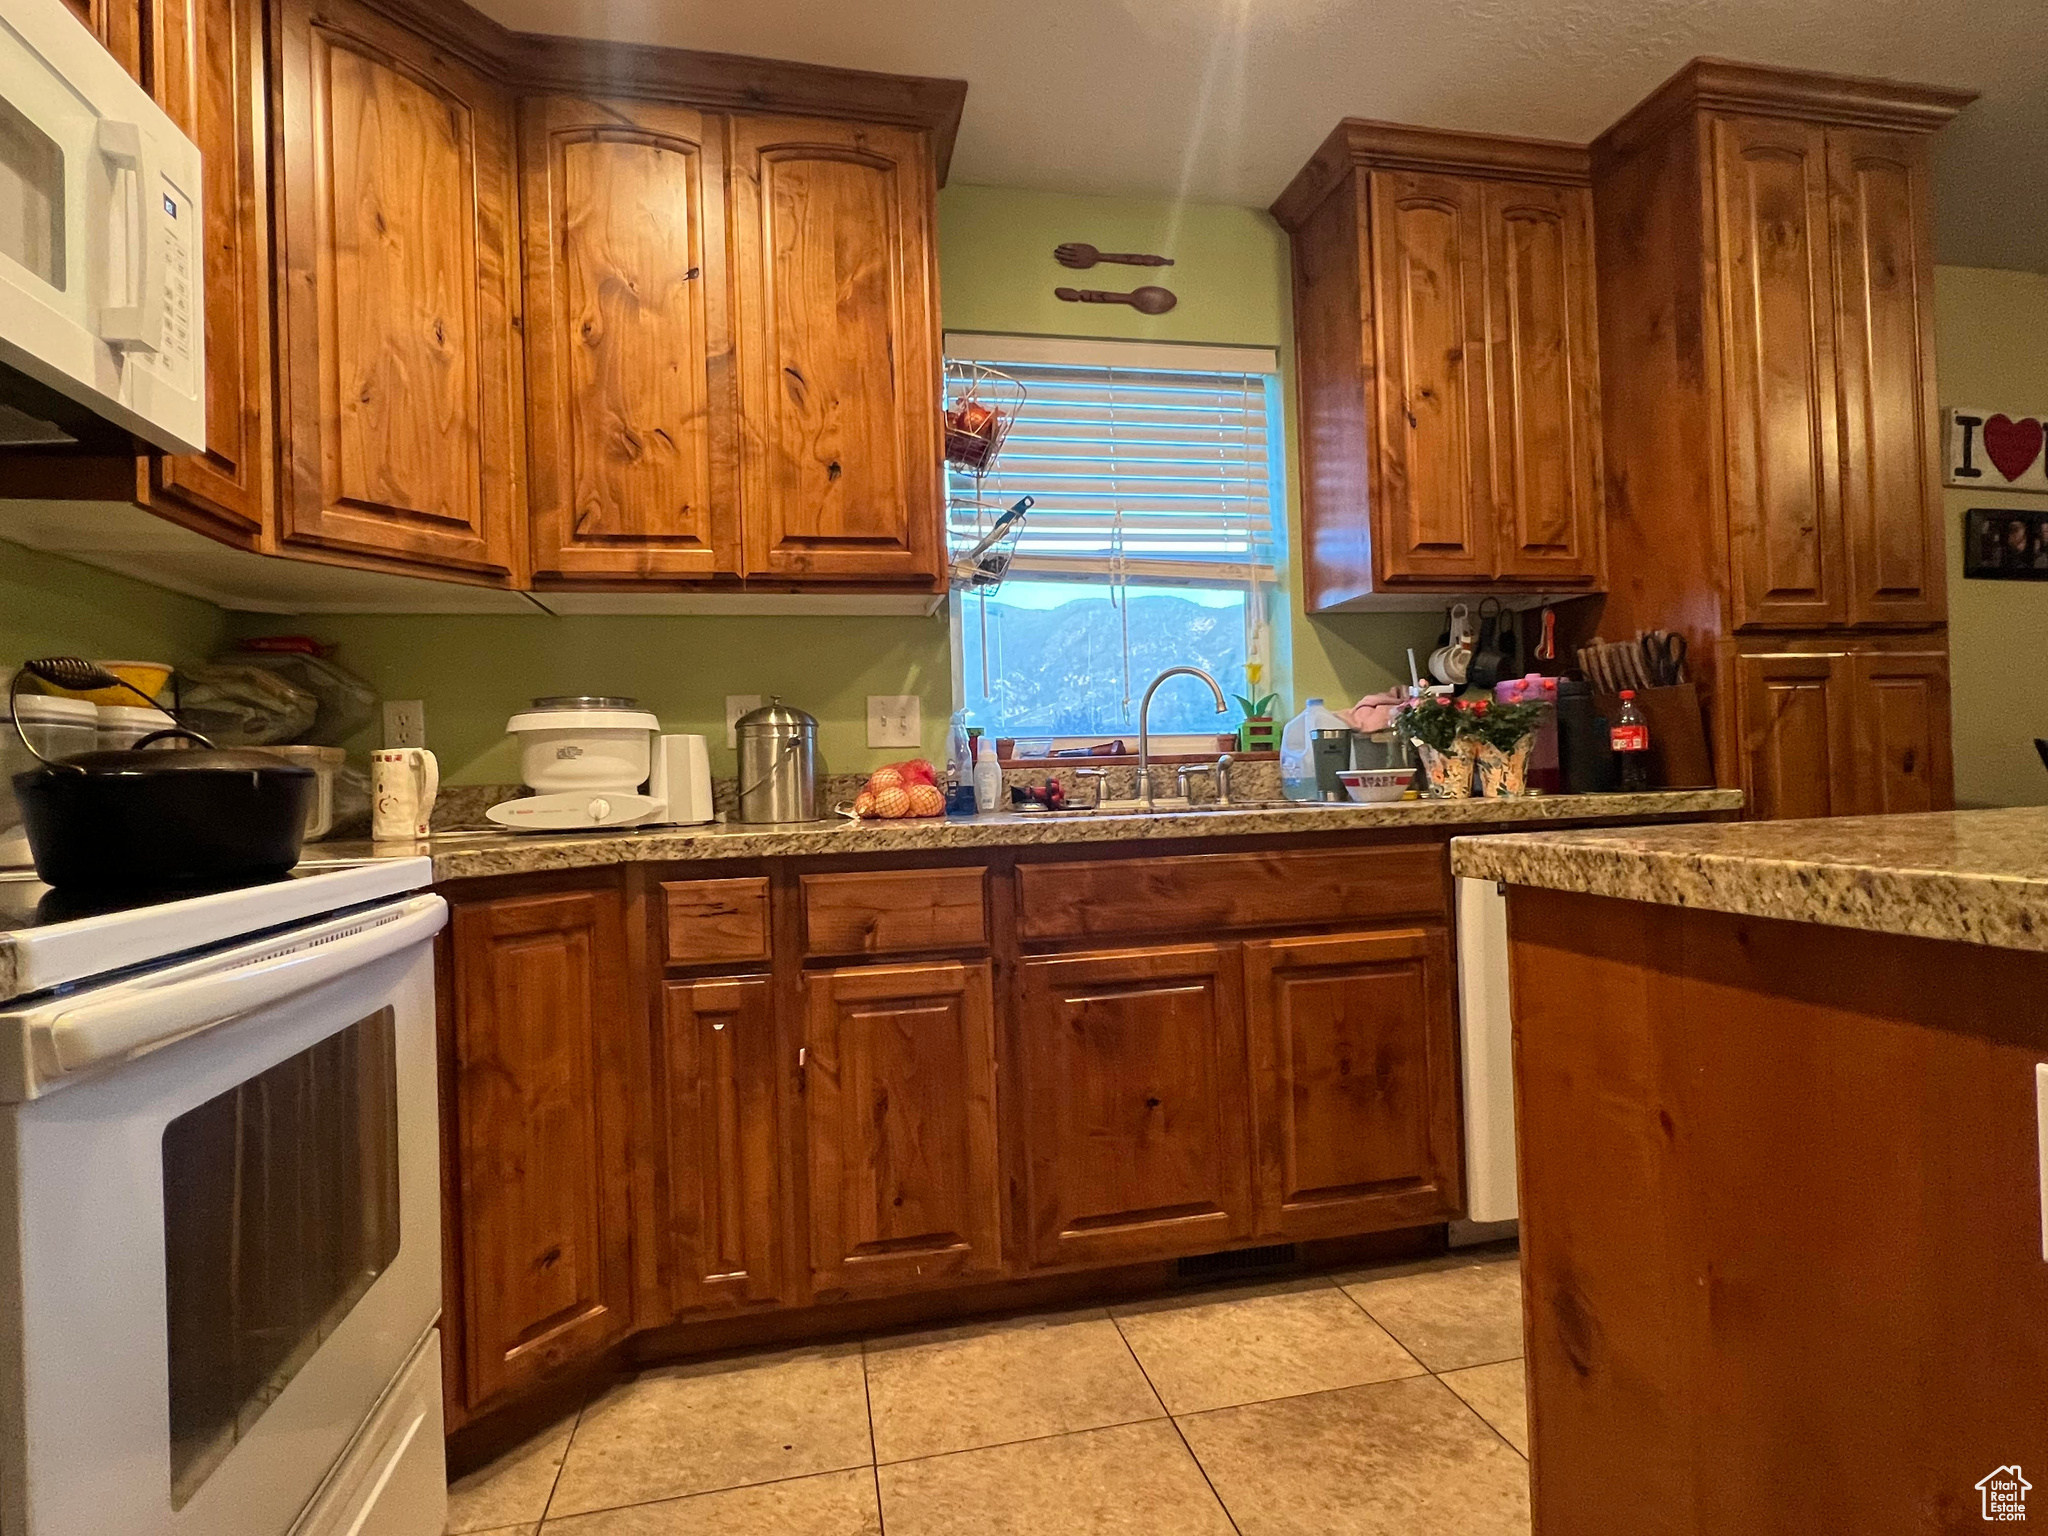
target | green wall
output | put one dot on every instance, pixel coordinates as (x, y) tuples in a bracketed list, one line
[(997, 274), (53, 606)]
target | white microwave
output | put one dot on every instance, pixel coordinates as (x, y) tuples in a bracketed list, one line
[(101, 256)]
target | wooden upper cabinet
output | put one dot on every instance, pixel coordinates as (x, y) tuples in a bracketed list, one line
[(1447, 363), (899, 1079), (118, 26), (838, 350), (1356, 1081), (724, 1177), (1543, 378), (1778, 372), (634, 434), (1435, 516), (398, 233), (208, 75), (1135, 1104), (1881, 228), (540, 1136), (1902, 728)]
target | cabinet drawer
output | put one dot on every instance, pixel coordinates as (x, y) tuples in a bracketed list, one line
[(1202, 893), (716, 922), (895, 912)]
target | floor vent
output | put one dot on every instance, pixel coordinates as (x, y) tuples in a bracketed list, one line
[(1205, 1266)]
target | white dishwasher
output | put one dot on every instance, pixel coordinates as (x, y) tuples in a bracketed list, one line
[(1487, 1049)]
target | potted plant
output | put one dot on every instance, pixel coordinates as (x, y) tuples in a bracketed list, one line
[(1256, 732), (1440, 728), (1502, 735)]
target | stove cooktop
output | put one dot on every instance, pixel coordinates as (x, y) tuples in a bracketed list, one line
[(51, 938)]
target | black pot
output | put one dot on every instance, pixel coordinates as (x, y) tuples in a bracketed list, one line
[(134, 819)]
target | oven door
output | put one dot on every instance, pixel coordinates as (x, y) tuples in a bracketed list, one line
[(101, 256), (227, 1243)]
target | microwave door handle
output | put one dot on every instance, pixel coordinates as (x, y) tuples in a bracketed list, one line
[(94, 1033), (137, 326)]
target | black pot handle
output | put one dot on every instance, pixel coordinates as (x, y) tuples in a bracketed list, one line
[(174, 730)]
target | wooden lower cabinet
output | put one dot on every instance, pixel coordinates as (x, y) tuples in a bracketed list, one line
[(1355, 1085), (899, 1088), (1855, 731), (539, 1132), (1135, 1107), (725, 1205)]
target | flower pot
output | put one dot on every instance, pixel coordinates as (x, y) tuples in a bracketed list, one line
[(1448, 773), (1258, 733), (1504, 772)]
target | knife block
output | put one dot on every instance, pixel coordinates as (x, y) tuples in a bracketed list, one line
[(1678, 738)]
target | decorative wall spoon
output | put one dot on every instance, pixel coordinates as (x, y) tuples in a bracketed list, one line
[(1146, 301), (1078, 254)]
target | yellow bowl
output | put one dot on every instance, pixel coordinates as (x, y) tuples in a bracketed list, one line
[(149, 676)]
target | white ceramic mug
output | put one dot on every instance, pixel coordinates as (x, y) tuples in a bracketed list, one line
[(403, 781)]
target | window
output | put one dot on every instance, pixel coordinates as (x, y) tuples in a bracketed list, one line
[(1152, 540)]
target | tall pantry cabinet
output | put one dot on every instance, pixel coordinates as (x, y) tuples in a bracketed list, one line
[(1766, 287)]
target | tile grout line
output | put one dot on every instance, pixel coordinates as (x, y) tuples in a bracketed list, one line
[(1003, 1445), (1474, 1411), (554, 1483), (1179, 1433), (867, 1395), (684, 1498)]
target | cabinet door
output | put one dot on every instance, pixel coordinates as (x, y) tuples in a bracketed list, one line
[(1136, 1112), (118, 26), (209, 77), (1545, 401), (1902, 727), (1884, 338), (839, 355), (899, 1083), (1799, 744), (1778, 373), (724, 1189), (1355, 1082), (398, 227), (634, 439), (541, 1136), (1433, 516)]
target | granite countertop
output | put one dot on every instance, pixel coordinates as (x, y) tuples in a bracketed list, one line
[(1978, 877), (469, 855)]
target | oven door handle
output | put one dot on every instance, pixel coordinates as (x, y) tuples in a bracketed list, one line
[(110, 1028)]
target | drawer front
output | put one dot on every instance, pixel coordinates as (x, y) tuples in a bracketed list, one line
[(716, 922), (895, 912), (1203, 893)]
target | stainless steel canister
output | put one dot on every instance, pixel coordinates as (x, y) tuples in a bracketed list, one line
[(778, 764)]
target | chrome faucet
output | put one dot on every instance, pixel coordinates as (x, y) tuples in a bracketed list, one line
[(1145, 729)]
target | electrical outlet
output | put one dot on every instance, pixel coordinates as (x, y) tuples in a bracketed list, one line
[(895, 720), (737, 704), (405, 723)]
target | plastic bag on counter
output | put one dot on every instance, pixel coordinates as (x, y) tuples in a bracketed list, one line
[(346, 701), (351, 802), (237, 705)]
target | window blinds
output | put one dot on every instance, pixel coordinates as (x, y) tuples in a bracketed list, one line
[(1146, 474)]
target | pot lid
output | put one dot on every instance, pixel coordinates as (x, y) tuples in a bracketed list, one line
[(131, 762), (776, 716), (569, 702)]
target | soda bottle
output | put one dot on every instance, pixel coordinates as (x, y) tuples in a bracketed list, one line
[(1629, 735)]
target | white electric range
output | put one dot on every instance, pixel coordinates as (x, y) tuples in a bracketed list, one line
[(219, 1209)]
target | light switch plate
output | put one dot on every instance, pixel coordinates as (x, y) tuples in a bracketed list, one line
[(895, 720), (405, 723), (737, 704)]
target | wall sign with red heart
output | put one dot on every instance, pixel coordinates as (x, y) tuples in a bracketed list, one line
[(1996, 450)]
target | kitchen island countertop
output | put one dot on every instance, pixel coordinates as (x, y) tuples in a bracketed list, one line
[(1977, 877), (473, 855)]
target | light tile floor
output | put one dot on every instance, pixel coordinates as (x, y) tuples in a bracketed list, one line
[(1366, 1404)]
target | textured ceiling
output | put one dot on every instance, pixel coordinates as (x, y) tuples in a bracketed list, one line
[(1222, 100)]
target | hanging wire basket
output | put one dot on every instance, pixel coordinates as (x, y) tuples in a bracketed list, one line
[(981, 404)]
